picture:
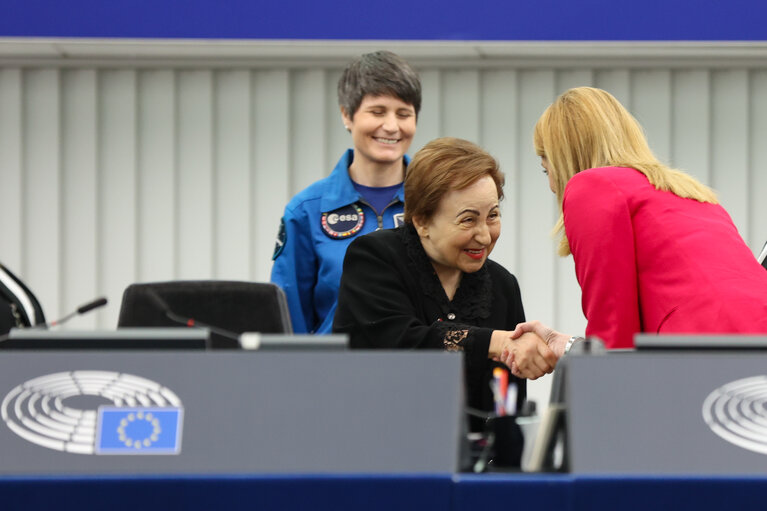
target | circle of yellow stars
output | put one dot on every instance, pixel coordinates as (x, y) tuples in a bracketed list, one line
[(139, 443)]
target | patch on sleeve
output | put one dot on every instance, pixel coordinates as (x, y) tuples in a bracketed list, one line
[(282, 238)]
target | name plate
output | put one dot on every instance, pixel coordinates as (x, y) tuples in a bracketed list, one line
[(667, 412), (197, 412)]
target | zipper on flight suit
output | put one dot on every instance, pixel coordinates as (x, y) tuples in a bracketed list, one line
[(379, 218)]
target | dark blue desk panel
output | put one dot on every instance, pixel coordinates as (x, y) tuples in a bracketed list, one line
[(560, 492), (670, 493), (288, 493), (611, 492), (521, 492)]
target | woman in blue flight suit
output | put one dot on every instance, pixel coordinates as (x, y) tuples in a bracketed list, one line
[(380, 96)]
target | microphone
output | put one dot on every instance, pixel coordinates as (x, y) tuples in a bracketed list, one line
[(95, 304), (87, 307), (190, 322)]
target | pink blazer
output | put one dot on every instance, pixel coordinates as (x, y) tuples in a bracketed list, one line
[(650, 261)]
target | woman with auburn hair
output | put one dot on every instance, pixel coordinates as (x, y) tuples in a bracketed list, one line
[(653, 249), (430, 284)]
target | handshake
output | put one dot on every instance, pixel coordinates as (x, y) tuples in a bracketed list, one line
[(530, 351)]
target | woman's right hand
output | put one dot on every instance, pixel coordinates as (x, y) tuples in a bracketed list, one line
[(526, 354)]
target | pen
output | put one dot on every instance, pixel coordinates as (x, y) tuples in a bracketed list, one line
[(500, 388)]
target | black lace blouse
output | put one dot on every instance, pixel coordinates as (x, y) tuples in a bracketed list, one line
[(391, 298)]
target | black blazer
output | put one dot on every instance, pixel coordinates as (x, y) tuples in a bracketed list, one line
[(391, 298)]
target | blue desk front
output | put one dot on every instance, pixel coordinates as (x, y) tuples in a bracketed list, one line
[(371, 493)]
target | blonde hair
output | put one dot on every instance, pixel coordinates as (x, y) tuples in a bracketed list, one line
[(586, 128)]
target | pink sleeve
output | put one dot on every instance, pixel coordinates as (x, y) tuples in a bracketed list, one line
[(599, 228)]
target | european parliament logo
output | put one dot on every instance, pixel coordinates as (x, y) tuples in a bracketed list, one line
[(737, 412), (96, 412)]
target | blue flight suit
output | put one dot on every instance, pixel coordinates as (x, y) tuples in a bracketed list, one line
[(319, 224)]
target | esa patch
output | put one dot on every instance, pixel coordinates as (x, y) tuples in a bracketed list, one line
[(399, 219), (282, 238), (343, 222)]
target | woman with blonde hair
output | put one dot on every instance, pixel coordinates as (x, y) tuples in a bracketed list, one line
[(653, 249)]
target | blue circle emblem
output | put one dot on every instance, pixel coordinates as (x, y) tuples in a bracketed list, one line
[(343, 222)]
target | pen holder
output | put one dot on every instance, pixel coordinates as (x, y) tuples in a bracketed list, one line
[(508, 443)]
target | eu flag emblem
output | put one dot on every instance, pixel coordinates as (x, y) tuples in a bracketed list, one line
[(139, 430)]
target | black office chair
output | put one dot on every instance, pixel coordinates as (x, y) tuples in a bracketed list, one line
[(19, 308), (227, 306)]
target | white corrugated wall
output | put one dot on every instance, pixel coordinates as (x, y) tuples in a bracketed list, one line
[(152, 170)]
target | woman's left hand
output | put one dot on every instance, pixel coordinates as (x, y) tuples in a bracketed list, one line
[(556, 340)]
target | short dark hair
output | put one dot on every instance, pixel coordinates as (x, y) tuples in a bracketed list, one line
[(442, 166), (377, 74)]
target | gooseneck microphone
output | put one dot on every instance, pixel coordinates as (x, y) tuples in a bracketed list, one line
[(87, 307), (190, 322), (95, 304)]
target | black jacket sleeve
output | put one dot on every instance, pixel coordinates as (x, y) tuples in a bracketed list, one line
[(381, 306)]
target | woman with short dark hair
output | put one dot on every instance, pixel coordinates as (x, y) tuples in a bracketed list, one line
[(379, 95)]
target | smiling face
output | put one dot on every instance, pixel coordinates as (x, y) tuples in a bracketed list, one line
[(382, 129), (462, 232)]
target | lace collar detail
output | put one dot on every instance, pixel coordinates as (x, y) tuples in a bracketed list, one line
[(472, 298)]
